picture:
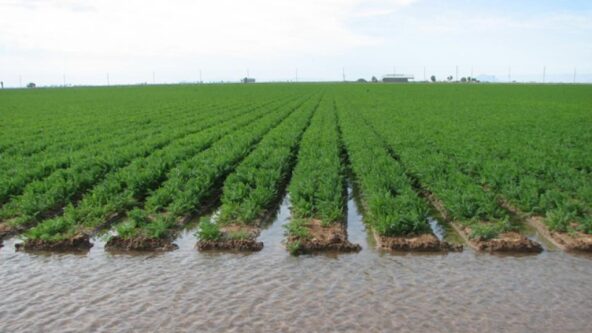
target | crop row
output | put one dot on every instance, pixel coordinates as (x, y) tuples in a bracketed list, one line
[(529, 157), (393, 208), (21, 171), (127, 188), (193, 182), (44, 196)]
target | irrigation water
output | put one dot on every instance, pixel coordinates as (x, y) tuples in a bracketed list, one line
[(369, 291)]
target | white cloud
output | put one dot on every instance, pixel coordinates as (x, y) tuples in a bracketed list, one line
[(183, 27)]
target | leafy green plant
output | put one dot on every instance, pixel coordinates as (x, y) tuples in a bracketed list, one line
[(208, 231)]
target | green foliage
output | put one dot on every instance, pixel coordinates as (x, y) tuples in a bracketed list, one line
[(208, 231), (250, 190), (318, 184), (297, 228), (71, 158), (486, 231), (294, 248)]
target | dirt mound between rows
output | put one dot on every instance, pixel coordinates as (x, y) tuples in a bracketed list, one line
[(5, 230), (234, 244), (140, 244), (508, 242), (421, 243), (576, 242), (329, 238), (76, 243)]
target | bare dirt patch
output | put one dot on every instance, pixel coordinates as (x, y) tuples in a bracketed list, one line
[(140, 244), (5, 230), (320, 238), (420, 243), (76, 243), (231, 244)]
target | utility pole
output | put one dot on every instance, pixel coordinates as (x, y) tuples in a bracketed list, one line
[(544, 73), (509, 74), (153, 77), (108, 83), (343, 73), (456, 77), (574, 78), (424, 76), (247, 72), (64, 77), (296, 74), (200, 81), (20, 81)]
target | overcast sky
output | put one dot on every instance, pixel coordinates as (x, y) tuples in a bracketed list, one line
[(41, 40)]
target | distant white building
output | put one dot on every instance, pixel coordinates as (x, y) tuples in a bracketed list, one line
[(400, 78), (247, 80)]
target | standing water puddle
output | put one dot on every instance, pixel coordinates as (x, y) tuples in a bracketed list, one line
[(271, 291)]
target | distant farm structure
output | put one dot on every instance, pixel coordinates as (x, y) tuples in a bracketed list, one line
[(397, 78), (247, 80)]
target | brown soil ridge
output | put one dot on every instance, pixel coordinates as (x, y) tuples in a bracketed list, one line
[(508, 242), (320, 239), (76, 243), (419, 243), (229, 241), (230, 244), (140, 244)]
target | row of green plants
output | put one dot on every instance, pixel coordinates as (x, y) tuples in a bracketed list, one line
[(392, 207), (317, 187), (53, 192), (35, 121), (481, 146), (21, 171), (128, 187), (249, 192), (191, 183)]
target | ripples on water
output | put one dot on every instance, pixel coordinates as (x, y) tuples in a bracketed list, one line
[(370, 291)]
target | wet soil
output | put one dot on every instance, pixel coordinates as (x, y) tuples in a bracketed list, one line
[(507, 242), (235, 237), (140, 244), (76, 243), (230, 244), (330, 238), (576, 241), (421, 243)]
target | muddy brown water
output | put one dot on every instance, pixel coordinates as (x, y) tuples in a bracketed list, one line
[(271, 291)]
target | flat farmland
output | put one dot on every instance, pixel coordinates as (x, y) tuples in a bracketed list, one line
[(140, 163), (434, 207)]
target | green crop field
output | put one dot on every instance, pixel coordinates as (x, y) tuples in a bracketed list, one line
[(137, 163)]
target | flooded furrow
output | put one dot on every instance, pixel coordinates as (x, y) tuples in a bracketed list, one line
[(270, 290)]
